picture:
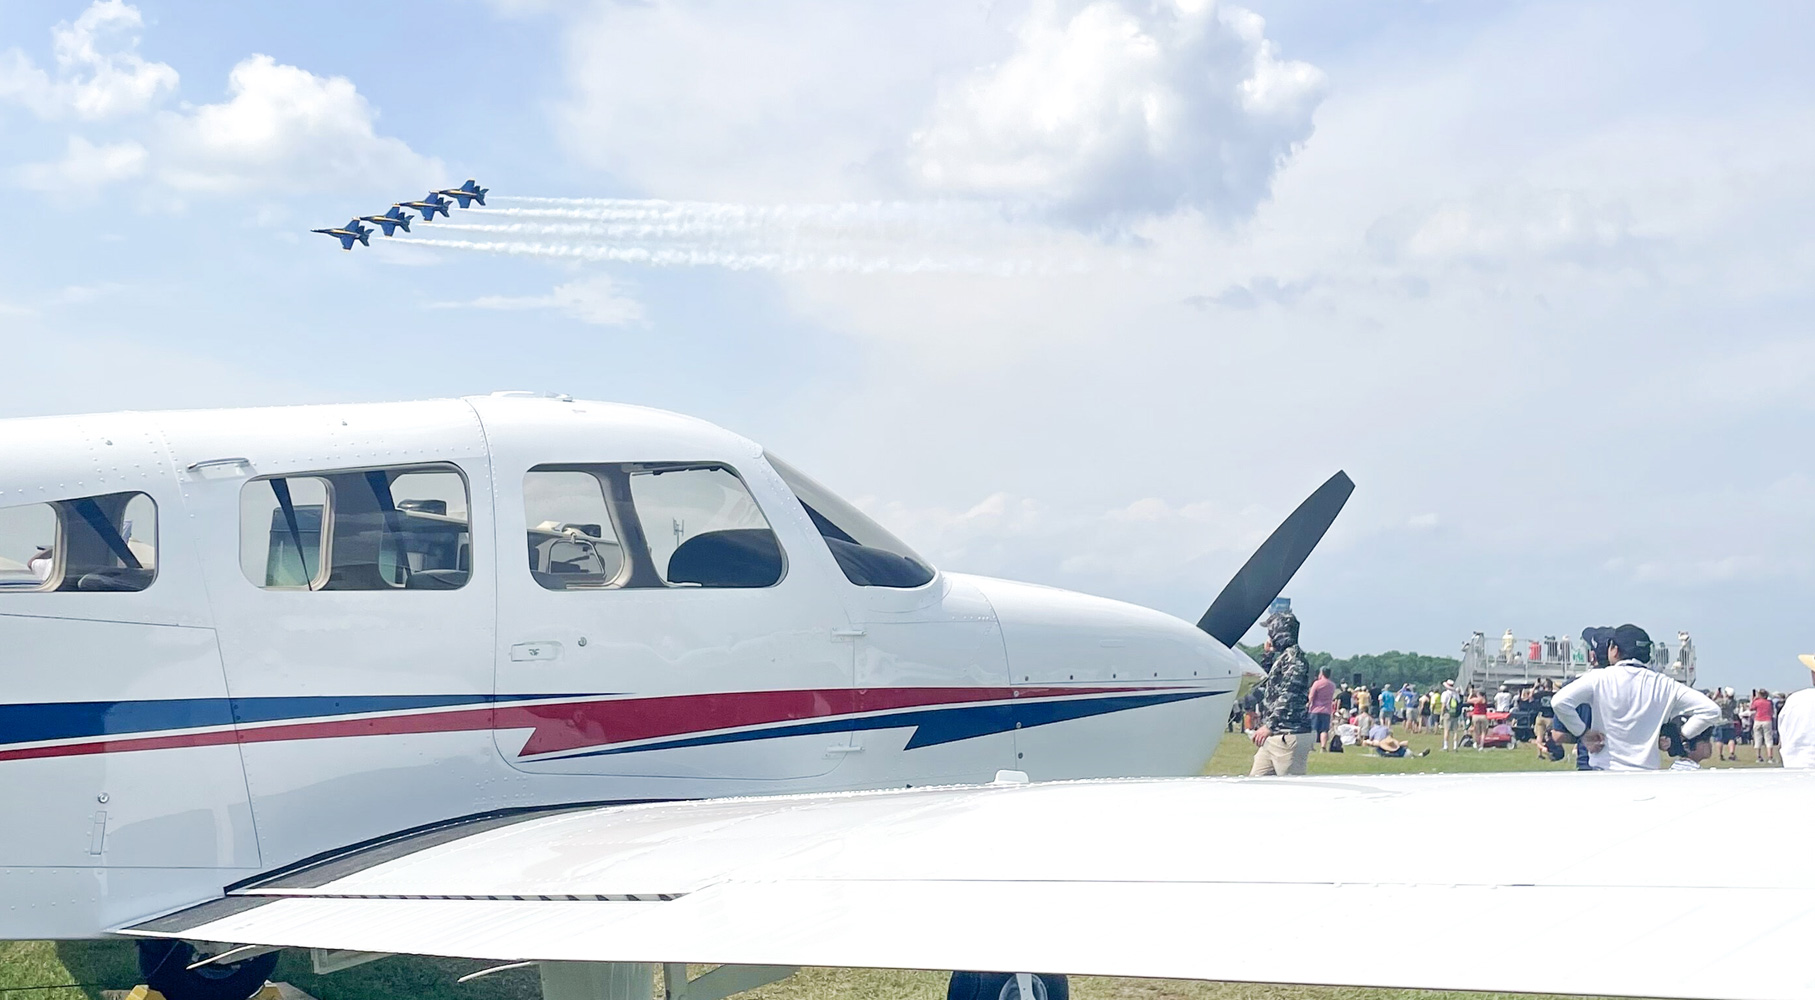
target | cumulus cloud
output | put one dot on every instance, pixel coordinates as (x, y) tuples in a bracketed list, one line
[(99, 72), (282, 125), (279, 126), (1109, 109), (85, 167), (596, 300), (1102, 109)]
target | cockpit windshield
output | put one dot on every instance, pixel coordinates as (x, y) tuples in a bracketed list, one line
[(866, 552)]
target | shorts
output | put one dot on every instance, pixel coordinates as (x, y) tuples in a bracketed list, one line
[(1320, 722), (1723, 733), (1762, 735)]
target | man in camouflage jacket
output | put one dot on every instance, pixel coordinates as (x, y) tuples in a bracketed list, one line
[(1283, 742)]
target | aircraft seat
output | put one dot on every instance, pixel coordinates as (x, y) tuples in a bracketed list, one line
[(737, 557), (436, 579)]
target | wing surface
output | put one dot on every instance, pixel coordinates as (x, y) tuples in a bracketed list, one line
[(1293, 880)]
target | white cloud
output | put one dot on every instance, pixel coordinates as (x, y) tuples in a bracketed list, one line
[(1114, 108), (283, 126), (85, 167), (596, 300), (99, 72), (279, 127)]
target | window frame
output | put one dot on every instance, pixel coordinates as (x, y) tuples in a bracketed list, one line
[(639, 571), (61, 511), (330, 522), (626, 560)]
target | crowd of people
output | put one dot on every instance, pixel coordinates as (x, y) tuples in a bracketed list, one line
[(1621, 714)]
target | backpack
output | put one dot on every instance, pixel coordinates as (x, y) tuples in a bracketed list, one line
[(1335, 744)]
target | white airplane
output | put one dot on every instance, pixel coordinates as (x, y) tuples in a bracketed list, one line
[(597, 687)]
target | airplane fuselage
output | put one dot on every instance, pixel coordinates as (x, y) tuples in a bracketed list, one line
[(232, 640)]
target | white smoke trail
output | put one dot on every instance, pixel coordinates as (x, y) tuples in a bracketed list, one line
[(855, 237), (707, 256)]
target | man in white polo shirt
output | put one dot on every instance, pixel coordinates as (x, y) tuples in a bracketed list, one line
[(1628, 703), (1796, 724)]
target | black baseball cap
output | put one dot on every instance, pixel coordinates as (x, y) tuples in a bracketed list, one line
[(1633, 641)]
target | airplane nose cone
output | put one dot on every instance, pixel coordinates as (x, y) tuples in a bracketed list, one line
[(1058, 636)]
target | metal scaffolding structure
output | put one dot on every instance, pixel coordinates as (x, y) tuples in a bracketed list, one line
[(1560, 659)]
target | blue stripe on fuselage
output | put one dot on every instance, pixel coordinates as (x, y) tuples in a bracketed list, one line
[(933, 726)]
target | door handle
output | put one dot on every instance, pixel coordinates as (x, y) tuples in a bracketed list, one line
[(531, 652)]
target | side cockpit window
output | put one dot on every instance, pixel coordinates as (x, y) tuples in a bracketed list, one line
[(573, 544), (647, 525), (369, 529), (864, 550), (97, 544)]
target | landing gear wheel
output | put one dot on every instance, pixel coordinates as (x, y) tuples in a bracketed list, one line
[(1005, 986), (165, 968)]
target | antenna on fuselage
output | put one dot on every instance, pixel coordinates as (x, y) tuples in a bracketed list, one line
[(1271, 567)]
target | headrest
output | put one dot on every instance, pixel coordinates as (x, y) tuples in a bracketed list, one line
[(737, 557)]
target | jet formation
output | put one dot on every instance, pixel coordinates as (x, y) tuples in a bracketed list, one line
[(396, 218)]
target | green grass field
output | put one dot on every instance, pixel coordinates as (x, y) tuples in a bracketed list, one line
[(32, 970)]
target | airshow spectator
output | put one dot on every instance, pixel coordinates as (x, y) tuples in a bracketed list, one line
[(1629, 703), (1283, 741), (1477, 716), (1450, 709), (1389, 704), (1546, 717), (1323, 703), (1796, 723), (1408, 701), (1686, 753), (1726, 732), (1503, 700), (1764, 714)]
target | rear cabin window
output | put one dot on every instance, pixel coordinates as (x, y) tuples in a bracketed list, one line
[(647, 525), (95, 544), (369, 529), (864, 550)]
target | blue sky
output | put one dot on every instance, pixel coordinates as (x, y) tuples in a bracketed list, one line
[(1084, 293)]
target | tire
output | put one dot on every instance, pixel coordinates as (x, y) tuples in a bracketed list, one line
[(1004, 986), (164, 965)]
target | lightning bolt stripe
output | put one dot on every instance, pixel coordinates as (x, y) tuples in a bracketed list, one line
[(561, 725)]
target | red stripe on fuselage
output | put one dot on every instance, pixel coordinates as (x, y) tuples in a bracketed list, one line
[(578, 725), (574, 725)]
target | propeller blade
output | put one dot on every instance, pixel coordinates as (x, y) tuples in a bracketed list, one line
[(1271, 567)]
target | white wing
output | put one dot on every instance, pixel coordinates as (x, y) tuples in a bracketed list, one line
[(1297, 880)]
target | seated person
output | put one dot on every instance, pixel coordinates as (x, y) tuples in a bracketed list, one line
[(1381, 739), (1350, 733), (1686, 755)]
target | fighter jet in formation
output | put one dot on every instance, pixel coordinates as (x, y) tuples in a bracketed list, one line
[(396, 218), (427, 206), (348, 233), (466, 193), (390, 220)]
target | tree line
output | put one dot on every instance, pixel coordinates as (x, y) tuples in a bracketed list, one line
[(1391, 667)]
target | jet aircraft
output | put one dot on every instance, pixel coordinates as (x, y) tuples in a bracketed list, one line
[(592, 686), (428, 206), (466, 193), (348, 233), (390, 221)]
